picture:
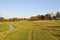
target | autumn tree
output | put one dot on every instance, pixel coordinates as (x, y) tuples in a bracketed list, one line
[(48, 17), (32, 18), (38, 17)]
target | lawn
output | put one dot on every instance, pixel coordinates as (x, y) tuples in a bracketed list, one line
[(31, 30)]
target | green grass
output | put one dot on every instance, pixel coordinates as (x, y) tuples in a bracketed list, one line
[(31, 30)]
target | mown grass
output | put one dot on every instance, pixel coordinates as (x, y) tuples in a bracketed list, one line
[(31, 30)]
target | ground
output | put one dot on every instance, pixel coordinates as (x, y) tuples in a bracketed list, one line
[(31, 30)]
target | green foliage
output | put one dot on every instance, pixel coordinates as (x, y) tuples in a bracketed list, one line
[(58, 14)]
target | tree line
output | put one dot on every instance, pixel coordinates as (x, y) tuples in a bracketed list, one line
[(48, 16)]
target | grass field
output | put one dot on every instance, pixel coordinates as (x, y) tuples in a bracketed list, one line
[(31, 30)]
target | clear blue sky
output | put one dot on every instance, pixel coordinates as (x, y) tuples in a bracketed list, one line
[(27, 8)]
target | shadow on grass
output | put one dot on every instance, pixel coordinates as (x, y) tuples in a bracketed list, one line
[(54, 28), (55, 31), (56, 35)]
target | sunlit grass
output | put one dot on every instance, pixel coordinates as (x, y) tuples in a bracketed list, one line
[(30, 30)]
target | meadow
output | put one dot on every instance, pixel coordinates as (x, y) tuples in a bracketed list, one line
[(31, 30)]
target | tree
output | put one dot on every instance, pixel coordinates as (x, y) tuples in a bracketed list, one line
[(1, 19), (58, 15), (14, 19), (38, 17), (42, 17), (48, 17), (10, 20), (32, 18)]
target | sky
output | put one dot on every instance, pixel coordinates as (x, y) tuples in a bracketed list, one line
[(27, 8)]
